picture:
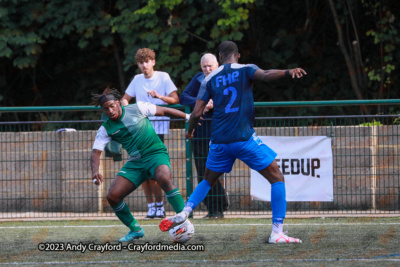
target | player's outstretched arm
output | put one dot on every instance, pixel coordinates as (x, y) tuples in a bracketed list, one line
[(94, 165), (171, 112), (270, 75)]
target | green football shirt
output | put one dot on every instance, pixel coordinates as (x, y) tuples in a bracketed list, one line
[(133, 131)]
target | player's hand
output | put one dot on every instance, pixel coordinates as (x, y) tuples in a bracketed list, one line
[(97, 178), (209, 106), (297, 72), (153, 94), (189, 135)]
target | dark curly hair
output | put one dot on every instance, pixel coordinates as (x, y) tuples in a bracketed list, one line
[(96, 98)]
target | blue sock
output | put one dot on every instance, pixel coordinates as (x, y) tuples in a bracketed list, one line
[(198, 195), (278, 202)]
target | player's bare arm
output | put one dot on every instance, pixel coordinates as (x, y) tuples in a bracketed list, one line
[(172, 98), (270, 75), (125, 99), (195, 117), (94, 165), (170, 112)]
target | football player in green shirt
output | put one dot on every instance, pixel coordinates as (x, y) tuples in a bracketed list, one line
[(129, 125)]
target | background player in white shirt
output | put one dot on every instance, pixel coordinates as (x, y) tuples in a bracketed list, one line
[(155, 87)]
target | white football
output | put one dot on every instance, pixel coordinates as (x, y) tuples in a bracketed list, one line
[(183, 232)]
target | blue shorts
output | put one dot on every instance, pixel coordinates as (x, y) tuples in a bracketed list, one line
[(253, 152)]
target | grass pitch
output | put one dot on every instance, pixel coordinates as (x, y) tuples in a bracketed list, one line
[(326, 242)]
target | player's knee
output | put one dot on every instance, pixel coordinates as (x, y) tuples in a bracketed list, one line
[(278, 177), (212, 182), (164, 180), (166, 184), (113, 198), (162, 173), (275, 175)]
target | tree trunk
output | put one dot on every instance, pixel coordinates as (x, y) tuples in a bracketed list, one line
[(350, 67), (121, 74)]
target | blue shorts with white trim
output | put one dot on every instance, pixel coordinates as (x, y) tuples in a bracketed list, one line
[(253, 152)]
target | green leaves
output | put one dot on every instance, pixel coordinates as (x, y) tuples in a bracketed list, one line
[(24, 62), (5, 51), (27, 26), (385, 39), (390, 68), (96, 41)]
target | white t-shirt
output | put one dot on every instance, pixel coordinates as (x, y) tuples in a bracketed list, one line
[(160, 82)]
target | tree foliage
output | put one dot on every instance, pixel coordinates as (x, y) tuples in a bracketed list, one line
[(58, 52), (385, 38)]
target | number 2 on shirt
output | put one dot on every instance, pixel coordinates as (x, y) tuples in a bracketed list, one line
[(228, 108)]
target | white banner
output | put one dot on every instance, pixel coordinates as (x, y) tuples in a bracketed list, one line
[(306, 162)]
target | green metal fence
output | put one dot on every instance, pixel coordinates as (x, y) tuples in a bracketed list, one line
[(46, 174)]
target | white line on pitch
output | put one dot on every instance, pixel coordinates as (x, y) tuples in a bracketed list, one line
[(197, 225)]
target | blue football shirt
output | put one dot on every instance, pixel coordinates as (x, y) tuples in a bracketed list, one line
[(231, 89)]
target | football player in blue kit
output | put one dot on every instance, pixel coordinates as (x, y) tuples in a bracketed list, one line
[(230, 87)]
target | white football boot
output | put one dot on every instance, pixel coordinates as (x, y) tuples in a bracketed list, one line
[(171, 222), (282, 238)]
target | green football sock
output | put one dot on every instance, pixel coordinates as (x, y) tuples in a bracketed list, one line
[(124, 214), (176, 200)]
